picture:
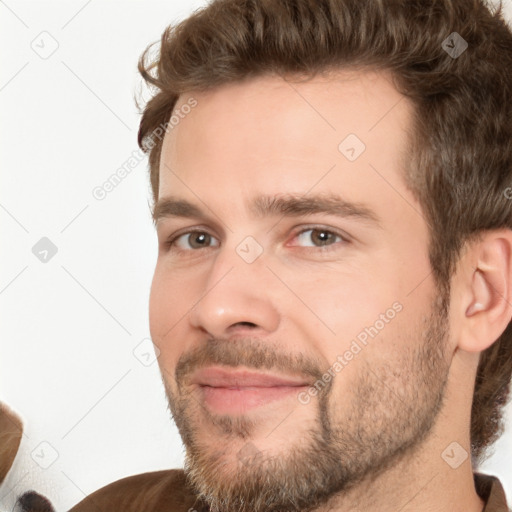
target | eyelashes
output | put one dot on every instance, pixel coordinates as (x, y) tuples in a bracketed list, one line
[(329, 239), (173, 241)]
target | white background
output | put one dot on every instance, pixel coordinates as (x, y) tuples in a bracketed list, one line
[(70, 326)]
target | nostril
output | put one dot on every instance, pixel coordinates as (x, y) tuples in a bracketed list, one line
[(248, 324), (31, 501)]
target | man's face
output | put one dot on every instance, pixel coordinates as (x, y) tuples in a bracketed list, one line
[(340, 304)]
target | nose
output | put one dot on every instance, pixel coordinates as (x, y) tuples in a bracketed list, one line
[(236, 297)]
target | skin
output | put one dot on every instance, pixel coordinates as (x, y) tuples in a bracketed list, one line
[(373, 438)]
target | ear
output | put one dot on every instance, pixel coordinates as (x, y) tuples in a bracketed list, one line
[(484, 307)]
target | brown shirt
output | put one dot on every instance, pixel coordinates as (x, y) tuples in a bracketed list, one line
[(489, 488), (167, 491)]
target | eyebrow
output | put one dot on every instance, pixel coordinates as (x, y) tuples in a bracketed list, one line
[(288, 205)]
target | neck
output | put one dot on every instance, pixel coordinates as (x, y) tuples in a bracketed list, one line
[(436, 475), (418, 483)]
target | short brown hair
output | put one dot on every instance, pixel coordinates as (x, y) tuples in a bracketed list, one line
[(460, 152)]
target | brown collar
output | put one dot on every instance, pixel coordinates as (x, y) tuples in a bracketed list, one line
[(489, 488)]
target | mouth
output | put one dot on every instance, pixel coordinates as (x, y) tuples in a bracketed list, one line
[(235, 392)]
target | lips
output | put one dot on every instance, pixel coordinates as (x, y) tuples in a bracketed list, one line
[(217, 377), (230, 392)]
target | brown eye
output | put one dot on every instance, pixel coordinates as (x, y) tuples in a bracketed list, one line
[(318, 237), (321, 237), (192, 240), (198, 240)]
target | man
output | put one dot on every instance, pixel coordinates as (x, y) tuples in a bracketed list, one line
[(332, 299)]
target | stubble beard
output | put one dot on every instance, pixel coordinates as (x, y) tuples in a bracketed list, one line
[(391, 413)]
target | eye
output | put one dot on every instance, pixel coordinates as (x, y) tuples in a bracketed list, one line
[(318, 237), (192, 240)]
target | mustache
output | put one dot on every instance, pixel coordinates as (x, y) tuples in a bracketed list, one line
[(248, 352)]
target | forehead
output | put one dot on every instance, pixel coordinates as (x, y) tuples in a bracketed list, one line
[(345, 131), (329, 106)]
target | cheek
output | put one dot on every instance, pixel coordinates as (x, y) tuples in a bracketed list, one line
[(170, 298), (166, 307), (345, 299), (158, 304), (172, 293), (369, 349), (365, 309)]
